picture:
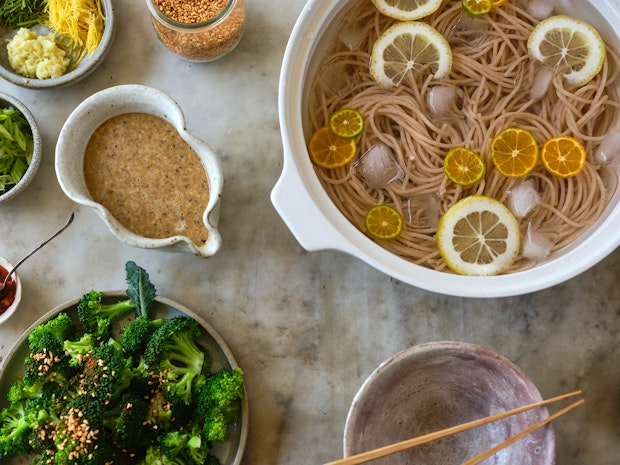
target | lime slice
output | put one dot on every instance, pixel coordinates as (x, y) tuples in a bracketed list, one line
[(407, 10), (478, 236), (384, 222), (409, 47), (569, 45), (347, 123), (477, 7)]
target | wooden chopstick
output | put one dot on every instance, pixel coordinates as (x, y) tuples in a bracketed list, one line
[(484, 455), (408, 443)]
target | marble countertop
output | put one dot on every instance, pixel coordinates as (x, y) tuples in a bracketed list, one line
[(307, 328)]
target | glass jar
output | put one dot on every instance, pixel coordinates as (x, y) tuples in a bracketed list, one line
[(198, 33)]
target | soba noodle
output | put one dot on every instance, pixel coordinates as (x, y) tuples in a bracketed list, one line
[(493, 75)]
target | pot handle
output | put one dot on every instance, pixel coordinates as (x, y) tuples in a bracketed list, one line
[(300, 212)]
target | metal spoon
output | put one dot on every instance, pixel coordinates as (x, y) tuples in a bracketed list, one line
[(3, 288)]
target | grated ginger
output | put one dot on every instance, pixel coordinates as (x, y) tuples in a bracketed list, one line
[(36, 56), (81, 22)]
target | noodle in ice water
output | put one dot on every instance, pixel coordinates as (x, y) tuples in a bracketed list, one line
[(491, 79)]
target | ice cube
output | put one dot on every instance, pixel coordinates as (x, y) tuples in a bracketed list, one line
[(377, 167), (338, 76), (540, 9), (608, 153), (523, 197), (352, 34), (441, 99), (536, 246), (541, 83), (423, 211)]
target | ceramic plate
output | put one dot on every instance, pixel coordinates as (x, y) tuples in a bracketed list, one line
[(229, 453)]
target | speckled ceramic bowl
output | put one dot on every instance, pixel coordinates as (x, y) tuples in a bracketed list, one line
[(84, 68), (100, 107), (317, 223), (8, 100), (17, 298), (437, 385)]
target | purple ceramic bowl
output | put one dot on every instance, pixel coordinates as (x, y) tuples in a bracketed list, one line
[(437, 385)]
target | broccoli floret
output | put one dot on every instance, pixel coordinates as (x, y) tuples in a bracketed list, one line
[(137, 334), (175, 353), (219, 403), (98, 317), (106, 372), (79, 437), (60, 328), (155, 455), (127, 419), (187, 445), (79, 348), (15, 427)]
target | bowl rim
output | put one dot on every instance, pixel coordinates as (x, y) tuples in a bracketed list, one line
[(298, 194), (78, 73), (37, 150), (6, 315), (121, 99), (439, 348)]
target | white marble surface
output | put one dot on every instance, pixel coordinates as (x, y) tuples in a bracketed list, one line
[(307, 328)]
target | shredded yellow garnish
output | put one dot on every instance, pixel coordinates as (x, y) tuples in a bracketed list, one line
[(80, 22)]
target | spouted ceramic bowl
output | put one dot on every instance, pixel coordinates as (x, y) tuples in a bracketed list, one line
[(433, 386), (76, 73), (119, 100), (317, 223), (6, 101)]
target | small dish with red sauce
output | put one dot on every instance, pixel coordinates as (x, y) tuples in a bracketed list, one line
[(9, 302)]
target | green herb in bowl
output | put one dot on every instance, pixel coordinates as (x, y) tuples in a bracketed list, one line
[(16, 147)]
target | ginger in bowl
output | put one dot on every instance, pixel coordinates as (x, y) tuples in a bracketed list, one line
[(126, 153)]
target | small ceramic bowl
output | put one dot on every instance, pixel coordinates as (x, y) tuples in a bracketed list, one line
[(92, 113), (437, 385), (17, 295), (85, 67), (7, 100)]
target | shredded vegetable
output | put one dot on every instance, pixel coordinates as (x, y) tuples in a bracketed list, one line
[(21, 13), (81, 22), (16, 147)]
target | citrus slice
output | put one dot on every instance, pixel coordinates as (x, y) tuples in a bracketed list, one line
[(347, 123), (514, 152), (497, 3), (407, 10), (478, 236), (570, 45), (330, 151), (409, 47), (563, 156), (463, 166), (478, 7), (384, 222)]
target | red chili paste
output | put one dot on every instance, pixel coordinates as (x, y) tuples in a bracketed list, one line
[(7, 300)]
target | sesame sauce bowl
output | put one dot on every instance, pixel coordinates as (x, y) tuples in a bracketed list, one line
[(71, 166)]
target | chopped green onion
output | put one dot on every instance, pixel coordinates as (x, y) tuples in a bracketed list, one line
[(16, 147), (22, 13)]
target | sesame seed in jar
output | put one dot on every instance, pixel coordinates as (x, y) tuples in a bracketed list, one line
[(191, 11), (198, 30)]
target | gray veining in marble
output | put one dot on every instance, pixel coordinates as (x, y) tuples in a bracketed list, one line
[(307, 328)]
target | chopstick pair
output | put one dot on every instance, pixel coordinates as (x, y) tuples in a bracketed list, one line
[(399, 446)]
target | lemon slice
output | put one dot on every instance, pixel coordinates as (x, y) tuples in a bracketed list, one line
[(570, 45), (409, 47), (478, 236), (407, 10)]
